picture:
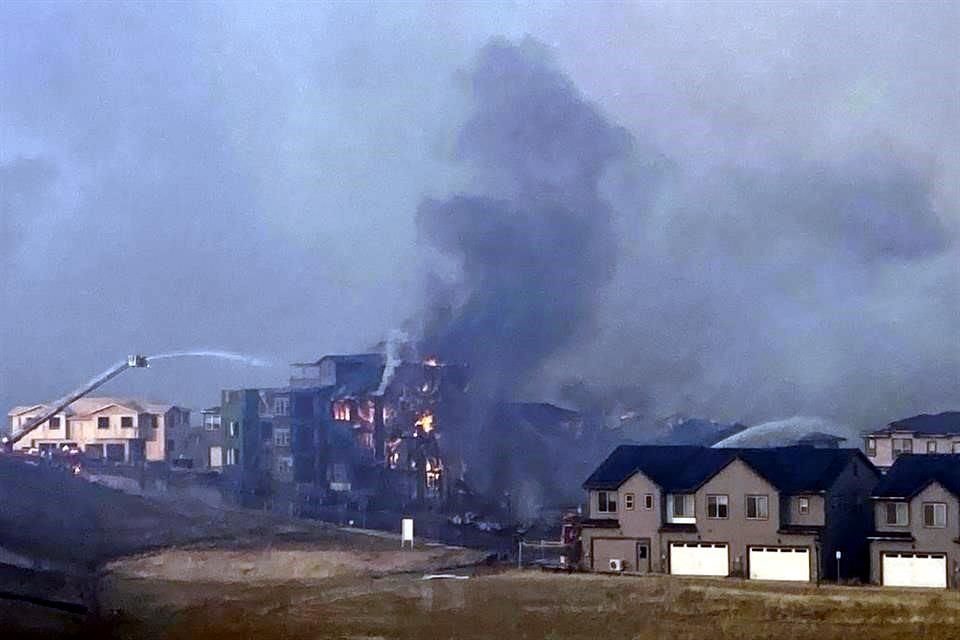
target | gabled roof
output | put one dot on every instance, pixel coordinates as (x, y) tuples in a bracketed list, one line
[(678, 469), (946, 423), (93, 404), (160, 407), (912, 473), (22, 409)]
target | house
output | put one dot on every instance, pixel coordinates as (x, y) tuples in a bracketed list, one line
[(116, 429), (916, 542), (924, 433), (776, 513), (170, 434)]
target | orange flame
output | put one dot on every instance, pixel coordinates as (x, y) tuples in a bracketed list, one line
[(425, 422)]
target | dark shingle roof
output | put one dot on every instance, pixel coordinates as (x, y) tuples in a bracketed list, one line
[(911, 473), (946, 423), (685, 468)]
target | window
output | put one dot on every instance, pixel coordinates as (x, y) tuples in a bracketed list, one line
[(126, 422), (895, 514), (169, 446), (683, 506), (902, 446), (803, 505), (648, 501), (718, 507), (54, 423), (607, 501), (281, 406), (628, 501), (103, 422), (931, 446), (216, 457), (211, 422), (934, 515), (341, 410), (234, 430), (155, 421), (871, 447), (284, 465), (281, 437), (757, 508), (233, 456)]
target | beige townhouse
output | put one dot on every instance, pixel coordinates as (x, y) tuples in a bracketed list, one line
[(917, 517), (767, 514), (116, 429)]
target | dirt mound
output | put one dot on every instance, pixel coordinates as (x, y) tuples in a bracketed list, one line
[(278, 565)]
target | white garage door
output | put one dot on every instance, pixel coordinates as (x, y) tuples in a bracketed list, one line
[(699, 559), (915, 570), (780, 563)]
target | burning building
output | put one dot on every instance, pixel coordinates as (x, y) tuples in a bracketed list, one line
[(363, 429)]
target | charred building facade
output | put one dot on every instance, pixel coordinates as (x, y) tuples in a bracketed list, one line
[(360, 429)]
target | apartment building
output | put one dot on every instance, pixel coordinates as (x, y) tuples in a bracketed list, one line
[(916, 542), (769, 514), (115, 429), (921, 434)]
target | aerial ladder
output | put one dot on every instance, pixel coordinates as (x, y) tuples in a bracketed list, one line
[(134, 361)]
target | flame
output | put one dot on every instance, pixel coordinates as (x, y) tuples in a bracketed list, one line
[(425, 422), (431, 361)]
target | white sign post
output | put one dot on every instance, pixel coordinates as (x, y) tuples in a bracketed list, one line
[(406, 532)]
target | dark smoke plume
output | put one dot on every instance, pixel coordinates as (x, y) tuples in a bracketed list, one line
[(535, 243), (535, 239)]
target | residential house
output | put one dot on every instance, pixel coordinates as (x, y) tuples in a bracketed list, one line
[(169, 433), (777, 513), (116, 429), (917, 517), (922, 434)]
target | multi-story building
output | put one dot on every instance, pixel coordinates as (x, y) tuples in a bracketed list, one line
[(921, 434), (348, 429), (116, 429), (917, 515), (776, 514)]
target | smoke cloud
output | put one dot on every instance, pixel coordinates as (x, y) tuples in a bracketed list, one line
[(534, 240), (768, 229)]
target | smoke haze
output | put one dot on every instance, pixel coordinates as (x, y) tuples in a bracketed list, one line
[(746, 211)]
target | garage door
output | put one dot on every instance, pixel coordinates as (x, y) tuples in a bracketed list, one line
[(780, 563), (915, 570), (699, 559)]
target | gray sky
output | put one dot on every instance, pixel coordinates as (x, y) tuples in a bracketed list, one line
[(247, 176)]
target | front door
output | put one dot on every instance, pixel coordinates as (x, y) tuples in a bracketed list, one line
[(643, 557)]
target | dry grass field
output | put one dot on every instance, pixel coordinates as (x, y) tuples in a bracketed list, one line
[(523, 605)]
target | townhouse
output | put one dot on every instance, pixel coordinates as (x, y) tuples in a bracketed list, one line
[(791, 513), (116, 429), (917, 515), (921, 434)]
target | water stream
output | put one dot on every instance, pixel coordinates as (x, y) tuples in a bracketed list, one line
[(785, 432), (210, 353)]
